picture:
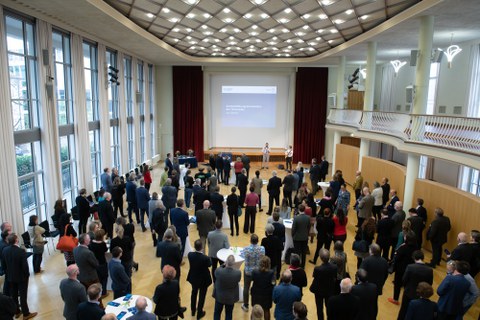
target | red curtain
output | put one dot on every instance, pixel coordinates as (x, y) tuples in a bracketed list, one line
[(188, 110), (310, 114)]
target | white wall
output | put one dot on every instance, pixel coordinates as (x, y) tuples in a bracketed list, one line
[(445, 172)]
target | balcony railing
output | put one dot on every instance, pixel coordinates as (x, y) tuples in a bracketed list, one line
[(455, 133)]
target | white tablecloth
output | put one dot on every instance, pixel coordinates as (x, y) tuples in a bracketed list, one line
[(125, 305), (324, 186), (288, 236), (188, 246), (223, 254)]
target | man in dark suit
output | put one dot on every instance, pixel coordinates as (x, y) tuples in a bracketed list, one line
[(397, 218), (106, 214), (414, 274), (273, 189), (391, 205), (464, 251), (17, 274), (121, 282), (217, 202), (179, 218), (73, 293), (279, 228), (169, 163), (300, 233), (83, 209), (273, 249), (199, 195), (205, 221), (421, 211), (367, 293), (91, 309), (199, 277), (417, 225), (7, 307), (385, 191), (131, 188), (142, 314), (345, 305), (288, 186), (376, 267), (226, 291), (437, 234), (226, 169), (169, 195), (384, 229), (323, 169), (5, 232), (451, 292), (106, 180), (314, 175), (246, 163), (242, 186), (143, 197), (86, 261), (169, 252), (219, 167), (324, 279)]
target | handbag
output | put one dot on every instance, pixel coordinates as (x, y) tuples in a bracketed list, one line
[(360, 245), (239, 211), (67, 243)]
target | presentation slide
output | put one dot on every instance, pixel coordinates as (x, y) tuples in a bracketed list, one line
[(249, 109), (249, 106)]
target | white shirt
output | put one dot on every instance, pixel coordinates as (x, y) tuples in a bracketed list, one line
[(266, 150), (289, 153)]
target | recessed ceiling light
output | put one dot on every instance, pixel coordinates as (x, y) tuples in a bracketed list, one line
[(258, 40), (193, 42), (150, 15), (285, 30), (191, 1), (191, 15), (274, 38), (206, 15), (236, 30), (300, 41), (364, 17), (289, 40), (272, 43), (264, 16), (232, 43), (338, 21), (310, 49), (313, 43), (226, 10), (333, 30), (205, 40), (253, 33), (238, 48), (323, 16), (193, 48), (217, 40), (330, 41), (326, 2), (320, 30), (231, 38), (288, 10), (175, 30), (208, 33), (289, 47), (349, 11), (300, 34), (176, 40), (228, 20), (174, 20), (283, 20), (254, 27), (318, 38), (227, 48), (246, 40), (223, 30), (247, 16), (306, 16), (166, 10), (271, 30), (188, 37), (188, 30), (204, 27), (274, 48)]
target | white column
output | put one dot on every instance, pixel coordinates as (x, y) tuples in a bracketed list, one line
[(103, 111), (146, 102), (164, 111), (136, 112), (336, 140), (422, 70), (84, 168), (341, 84), (122, 115), (370, 80), (364, 151), (413, 165)]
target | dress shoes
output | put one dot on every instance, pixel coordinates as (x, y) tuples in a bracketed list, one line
[(30, 315)]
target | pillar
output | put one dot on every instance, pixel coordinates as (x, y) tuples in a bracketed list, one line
[(364, 151), (341, 83), (370, 80), (336, 140), (413, 164)]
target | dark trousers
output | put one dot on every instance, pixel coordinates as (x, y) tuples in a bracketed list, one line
[(142, 213), (6, 287), (118, 207), (215, 262), (102, 271), (404, 307), (376, 210), (219, 175), (322, 243), (259, 201), (287, 194), (201, 292), (147, 186), (360, 221), (436, 253), (37, 261), (357, 193), (226, 176), (393, 243), (397, 286), (82, 225), (250, 213), (219, 308), (314, 186), (119, 293), (241, 197), (132, 208), (319, 301), (183, 240), (384, 249), (20, 289), (233, 219), (188, 196), (236, 178), (288, 163), (271, 197), (301, 248)]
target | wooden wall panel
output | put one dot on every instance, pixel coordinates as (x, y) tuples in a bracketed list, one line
[(461, 207), (374, 169), (346, 159)]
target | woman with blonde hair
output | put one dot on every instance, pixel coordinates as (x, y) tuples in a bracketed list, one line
[(126, 243), (262, 288)]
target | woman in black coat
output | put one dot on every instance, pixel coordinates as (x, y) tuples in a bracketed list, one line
[(232, 208), (64, 223), (262, 288), (167, 295), (402, 258), (126, 243), (118, 190)]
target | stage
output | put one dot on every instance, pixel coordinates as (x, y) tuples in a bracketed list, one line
[(255, 154)]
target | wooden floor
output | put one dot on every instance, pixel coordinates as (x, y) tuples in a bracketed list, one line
[(44, 296)]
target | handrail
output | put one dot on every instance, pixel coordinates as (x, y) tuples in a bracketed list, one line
[(455, 133)]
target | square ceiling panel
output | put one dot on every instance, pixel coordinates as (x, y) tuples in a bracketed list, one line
[(244, 28)]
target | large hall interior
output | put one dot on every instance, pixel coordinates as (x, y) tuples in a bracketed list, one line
[(382, 88)]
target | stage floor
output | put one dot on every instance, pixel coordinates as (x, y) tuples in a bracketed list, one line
[(255, 154)]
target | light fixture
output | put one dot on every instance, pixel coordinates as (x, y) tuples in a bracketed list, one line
[(150, 15), (397, 64), (451, 52), (363, 72)]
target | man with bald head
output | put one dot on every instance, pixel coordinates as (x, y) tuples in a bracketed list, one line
[(463, 252), (397, 218), (142, 314), (205, 221), (345, 305), (72, 292), (284, 295), (365, 206)]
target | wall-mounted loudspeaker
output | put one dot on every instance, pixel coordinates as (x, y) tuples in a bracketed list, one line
[(409, 92), (45, 57), (442, 109), (437, 56), (457, 110), (413, 58)]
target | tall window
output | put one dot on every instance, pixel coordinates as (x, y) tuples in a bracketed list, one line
[(141, 106), (91, 92), (127, 63), (22, 66), (470, 180), (64, 100), (111, 58), (152, 109)]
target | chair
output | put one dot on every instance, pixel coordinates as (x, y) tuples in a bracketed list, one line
[(27, 243), (48, 234)]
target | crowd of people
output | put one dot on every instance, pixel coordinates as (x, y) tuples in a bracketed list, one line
[(386, 241)]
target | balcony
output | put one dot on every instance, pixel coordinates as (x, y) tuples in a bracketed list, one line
[(452, 133)]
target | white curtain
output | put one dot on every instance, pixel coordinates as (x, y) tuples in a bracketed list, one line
[(107, 160), (388, 85), (474, 90), (146, 103), (80, 112), (10, 206)]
